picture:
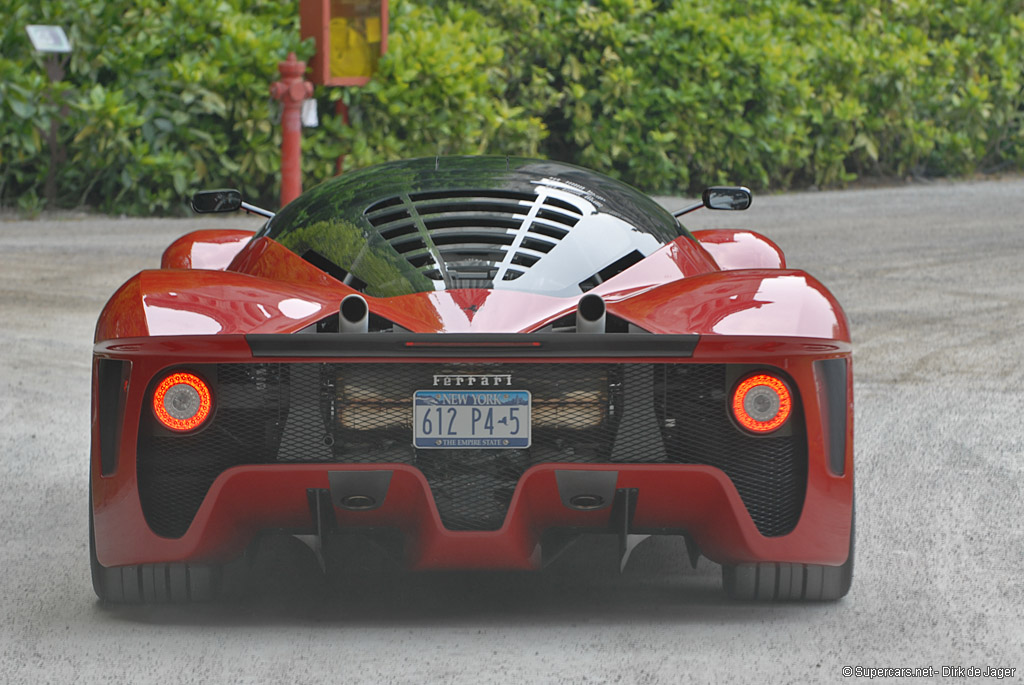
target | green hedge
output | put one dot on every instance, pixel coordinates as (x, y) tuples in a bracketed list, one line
[(162, 98), (675, 95)]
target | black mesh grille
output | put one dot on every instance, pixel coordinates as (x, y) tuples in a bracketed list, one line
[(362, 413)]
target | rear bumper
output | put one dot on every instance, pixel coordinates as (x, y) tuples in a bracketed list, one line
[(698, 500)]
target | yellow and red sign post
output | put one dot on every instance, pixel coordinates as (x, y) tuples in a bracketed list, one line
[(351, 36)]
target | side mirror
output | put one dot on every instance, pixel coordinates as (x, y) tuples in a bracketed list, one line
[(215, 201), (727, 197)]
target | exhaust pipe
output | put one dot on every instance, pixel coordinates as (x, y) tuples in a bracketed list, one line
[(590, 314), (354, 315)]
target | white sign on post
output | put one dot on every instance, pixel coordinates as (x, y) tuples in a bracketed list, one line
[(309, 114), (48, 38)]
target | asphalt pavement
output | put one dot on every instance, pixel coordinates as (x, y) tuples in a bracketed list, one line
[(932, 279)]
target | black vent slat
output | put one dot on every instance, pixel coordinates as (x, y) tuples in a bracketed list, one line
[(620, 265), (409, 244), (548, 231), (525, 259), (384, 204), (333, 270), (456, 257), (467, 238), (382, 219), (538, 245), (562, 204), (547, 228), (328, 413), (475, 207), (612, 270), (477, 261), (483, 194), (421, 259), (558, 218), (392, 232), (475, 221)]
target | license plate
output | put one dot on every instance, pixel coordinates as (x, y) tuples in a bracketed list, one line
[(462, 419)]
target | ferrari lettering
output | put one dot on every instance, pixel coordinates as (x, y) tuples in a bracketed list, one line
[(472, 380)]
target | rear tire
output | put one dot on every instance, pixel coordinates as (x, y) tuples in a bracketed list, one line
[(767, 581), (151, 583)]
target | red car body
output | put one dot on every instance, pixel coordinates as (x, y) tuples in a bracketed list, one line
[(225, 302)]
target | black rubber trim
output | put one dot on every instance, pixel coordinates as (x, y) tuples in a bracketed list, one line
[(112, 376), (472, 345), (832, 400)]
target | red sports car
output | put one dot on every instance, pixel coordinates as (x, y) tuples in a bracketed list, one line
[(478, 359)]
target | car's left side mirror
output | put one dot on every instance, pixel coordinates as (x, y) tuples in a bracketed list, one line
[(727, 197), (215, 201)]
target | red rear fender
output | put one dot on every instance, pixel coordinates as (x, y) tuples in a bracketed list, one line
[(735, 249), (754, 302), (207, 249)]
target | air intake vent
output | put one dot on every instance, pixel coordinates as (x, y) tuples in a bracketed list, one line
[(612, 270), (472, 238), (333, 270)]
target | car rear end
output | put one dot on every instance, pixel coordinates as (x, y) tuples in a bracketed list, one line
[(416, 436)]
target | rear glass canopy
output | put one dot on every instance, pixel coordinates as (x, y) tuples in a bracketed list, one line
[(473, 222)]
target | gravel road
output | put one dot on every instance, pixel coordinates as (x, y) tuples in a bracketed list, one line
[(931, 278)]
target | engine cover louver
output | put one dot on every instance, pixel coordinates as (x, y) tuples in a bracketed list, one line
[(472, 238)]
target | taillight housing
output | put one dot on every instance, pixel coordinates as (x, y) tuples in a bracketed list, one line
[(182, 402), (762, 403)]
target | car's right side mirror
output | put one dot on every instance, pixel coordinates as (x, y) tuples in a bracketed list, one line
[(727, 197)]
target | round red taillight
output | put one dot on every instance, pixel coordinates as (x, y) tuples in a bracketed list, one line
[(182, 402), (761, 403)]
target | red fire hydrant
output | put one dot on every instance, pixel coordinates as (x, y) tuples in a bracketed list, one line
[(291, 90)]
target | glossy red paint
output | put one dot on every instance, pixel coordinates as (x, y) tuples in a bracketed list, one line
[(200, 302), (735, 249), (268, 259), (122, 317), (699, 499), (785, 303), (206, 249), (681, 258), (269, 289), (788, 303)]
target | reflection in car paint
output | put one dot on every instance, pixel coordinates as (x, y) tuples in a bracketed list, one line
[(815, 319), (295, 308), (169, 321)]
